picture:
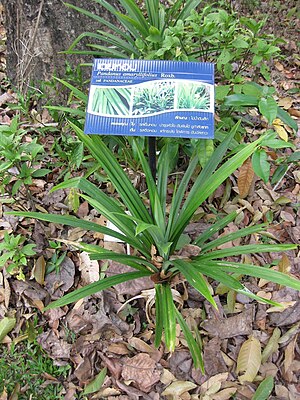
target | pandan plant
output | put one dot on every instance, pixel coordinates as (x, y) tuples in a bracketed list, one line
[(156, 234)]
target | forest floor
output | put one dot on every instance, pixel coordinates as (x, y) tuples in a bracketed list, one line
[(57, 353)]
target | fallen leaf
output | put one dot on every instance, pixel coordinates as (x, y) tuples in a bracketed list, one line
[(96, 383), (285, 102), (245, 178), (226, 328), (281, 131), (211, 382), (39, 269), (7, 324), (224, 394), (89, 269), (249, 360), (177, 388), (272, 345), (141, 369)]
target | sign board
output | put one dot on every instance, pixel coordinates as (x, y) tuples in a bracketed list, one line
[(151, 98)]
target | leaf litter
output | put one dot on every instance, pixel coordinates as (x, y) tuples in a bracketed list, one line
[(112, 352)]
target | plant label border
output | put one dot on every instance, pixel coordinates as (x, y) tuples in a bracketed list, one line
[(151, 98)]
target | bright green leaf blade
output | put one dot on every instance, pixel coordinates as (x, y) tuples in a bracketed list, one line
[(260, 164), (195, 278), (246, 249), (169, 318), (159, 318), (259, 272), (118, 177), (194, 347), (233, 236), (78, 93), (96, 287), (7, 324), (96, 383), (268, 108), (264, 389), (216, 227), (230, 282), (77, 223)]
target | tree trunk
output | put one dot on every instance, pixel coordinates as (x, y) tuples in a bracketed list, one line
[(37, 31)]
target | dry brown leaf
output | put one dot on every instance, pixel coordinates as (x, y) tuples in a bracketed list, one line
[(167, 377), (224, 394), (211, 382), (177, 388), (39, 269), (140, 345), (286, 102), (249, 360), (282, 392), (3, 395), (245, 179), (289, 355), (284, 264), (141, 369), (118, 348), (240, 324), (272, 345), (89, 269)]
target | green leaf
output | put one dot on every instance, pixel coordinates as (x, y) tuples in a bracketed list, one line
[(78, 223), (259, 272), (268, 108), (261, 164), (96, 383), (287, 119), (216, 227), (7, 324), (38, 173), (241, 100), (78, 93), (264, 389), (194, 347), (195, 278), (96, 287), (246, 249), (233, 236), (169, 318), (159, 317)]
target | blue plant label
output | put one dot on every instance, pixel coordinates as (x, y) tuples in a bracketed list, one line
[(151, 98)]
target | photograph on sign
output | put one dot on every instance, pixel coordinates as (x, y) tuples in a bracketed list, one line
[(151, 98)]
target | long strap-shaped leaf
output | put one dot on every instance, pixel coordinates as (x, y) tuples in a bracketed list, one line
[(136, 14), (152, 7), (78, 93), (117, 176), (96, 287), (194, 347), (216, 227), (168, 314), (78, 223), (112, 27), (108, 38), (229, 281), (246, 249), (256, 271), (195, 278), (156, 208), (179, 195), (108, 207), (207, 182), (233, 236)]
